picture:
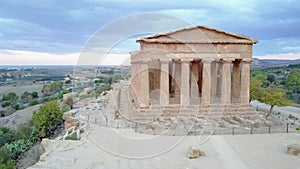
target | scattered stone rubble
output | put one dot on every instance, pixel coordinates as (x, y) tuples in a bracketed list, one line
[(194, 153), (294, 149)]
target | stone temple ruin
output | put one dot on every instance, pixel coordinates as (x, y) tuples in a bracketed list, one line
[(192, 67), (187, 74)]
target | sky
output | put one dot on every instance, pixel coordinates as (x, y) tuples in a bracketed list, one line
[(57, 31)]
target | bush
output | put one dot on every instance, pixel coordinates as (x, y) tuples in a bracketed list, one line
[(73, 136), (5, 159), (26, 131), (33, 102), (5, 104), (18, 147), (6, 136), (10, 164), (47, 119), (16, 107)]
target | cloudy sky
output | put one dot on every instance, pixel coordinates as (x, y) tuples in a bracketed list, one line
[(56, 31)]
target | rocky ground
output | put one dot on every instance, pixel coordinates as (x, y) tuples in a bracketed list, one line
[(103, 147), (19, 117)]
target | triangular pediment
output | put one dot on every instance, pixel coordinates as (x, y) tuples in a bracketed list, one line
[(198, 34)]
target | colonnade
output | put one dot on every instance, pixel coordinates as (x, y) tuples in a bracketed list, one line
[(192, 81)]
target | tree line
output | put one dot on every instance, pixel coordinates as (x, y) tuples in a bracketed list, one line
[(273, 89)]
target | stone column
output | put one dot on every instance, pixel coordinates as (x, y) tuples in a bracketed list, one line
[(164, 82), (206, 83), (134, 78), (177, 81), (213, 79), (235, 86), (219, 79), (226, 81), (194, 80), (245, 82), (144, 84), (185, 83)]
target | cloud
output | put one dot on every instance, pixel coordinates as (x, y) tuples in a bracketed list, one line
[(288, 56), (62, 27), (19, 57)]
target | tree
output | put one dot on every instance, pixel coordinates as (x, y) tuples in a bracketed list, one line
[(274, 96), (26, 97), (68, 81), (46, 90), (9, 99), (47, 119), (35, 95), (271, 78), (293, 81), (255, 88)]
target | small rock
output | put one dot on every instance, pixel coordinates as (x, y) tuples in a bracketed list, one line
[(149, 127), (238, 119), (256, 124), (194, 153), (222, 124), (294, 149), (268, 115)]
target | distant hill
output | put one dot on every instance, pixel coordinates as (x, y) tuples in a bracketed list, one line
[(266, 63)]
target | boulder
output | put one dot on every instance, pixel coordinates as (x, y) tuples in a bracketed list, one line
[(70, 120), (194, 153), (293, 149)]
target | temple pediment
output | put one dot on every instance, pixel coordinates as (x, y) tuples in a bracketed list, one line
[(198, 34)]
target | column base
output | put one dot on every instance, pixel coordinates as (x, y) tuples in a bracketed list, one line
[(205, 105), (144, 106)]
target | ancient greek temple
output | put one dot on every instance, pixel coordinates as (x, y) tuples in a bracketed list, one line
[(193, 66)]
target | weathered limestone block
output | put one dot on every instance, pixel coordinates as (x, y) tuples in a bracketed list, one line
[(70, 120), (294, 149), (194, 153)]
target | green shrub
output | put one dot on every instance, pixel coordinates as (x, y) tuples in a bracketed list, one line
[(72, 137), (6, 136), (18, 147), (4, 155), (47, 119), (16, 107), (5, 104), (33, 102), (10, 164), (27, 131)]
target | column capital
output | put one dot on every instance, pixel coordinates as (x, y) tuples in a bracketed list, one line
[(185, 60), (227, 60), (144, 61), (164, 60), (207, 60), (247, 60)]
